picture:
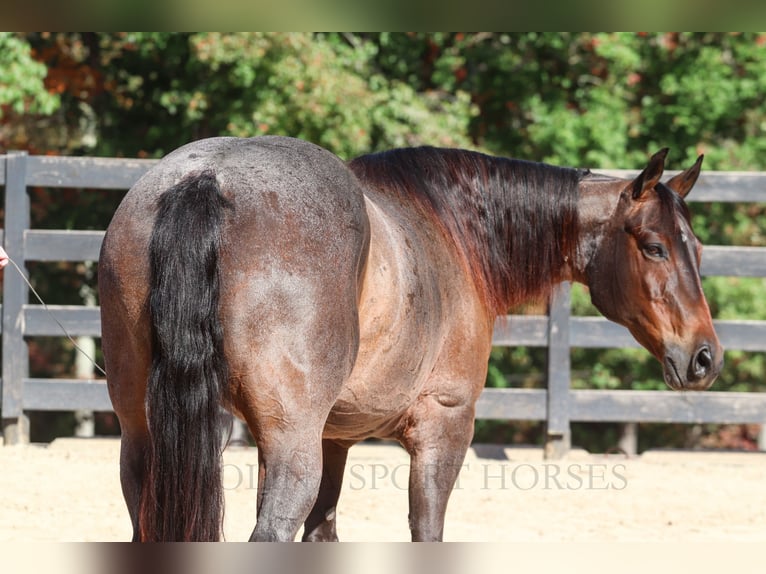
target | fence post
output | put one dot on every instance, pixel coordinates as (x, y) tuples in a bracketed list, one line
[(15, 366), (628, 442), (558, 439), (85, 425)]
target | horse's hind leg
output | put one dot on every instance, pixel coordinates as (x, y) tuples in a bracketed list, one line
[(134, 447), (126, 386), (127, 362), (285, 395), (320, 526), (290, 466)]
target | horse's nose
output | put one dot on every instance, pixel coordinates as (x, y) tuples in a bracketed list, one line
[(704, 367), (702, 363)]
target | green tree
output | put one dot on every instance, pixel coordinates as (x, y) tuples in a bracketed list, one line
[(151, 92), (22, 89)]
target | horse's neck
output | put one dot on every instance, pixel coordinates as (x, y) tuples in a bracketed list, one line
[(530, 230), (513, 222), (595, 212)]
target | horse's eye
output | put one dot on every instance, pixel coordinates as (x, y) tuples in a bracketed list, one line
[(655, 251)]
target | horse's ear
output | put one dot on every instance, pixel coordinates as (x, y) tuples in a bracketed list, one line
[(684, 181), (652, 173)]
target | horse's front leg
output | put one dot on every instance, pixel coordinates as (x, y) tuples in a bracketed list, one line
[(437, 438)]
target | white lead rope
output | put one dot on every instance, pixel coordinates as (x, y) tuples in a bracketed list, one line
[(4, 260)]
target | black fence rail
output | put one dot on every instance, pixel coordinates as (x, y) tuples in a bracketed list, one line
[(558, 405)]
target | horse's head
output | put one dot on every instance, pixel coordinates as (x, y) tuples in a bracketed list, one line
[(643, 272)]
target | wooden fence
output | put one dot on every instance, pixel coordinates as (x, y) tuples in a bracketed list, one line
[(559, 331)]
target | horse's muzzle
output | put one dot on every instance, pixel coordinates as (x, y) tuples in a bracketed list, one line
[(695, 371)]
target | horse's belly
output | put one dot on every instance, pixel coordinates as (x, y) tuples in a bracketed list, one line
[(375, 399), (391, 370)]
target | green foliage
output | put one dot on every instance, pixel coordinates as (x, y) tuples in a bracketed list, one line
[(21, 79), (160, 90), (606, 100)]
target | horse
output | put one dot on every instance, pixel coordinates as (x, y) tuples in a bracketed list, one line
[(327, 302)]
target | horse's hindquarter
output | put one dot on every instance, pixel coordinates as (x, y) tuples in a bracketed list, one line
[(293, 247), (291, 263), (421, 328)]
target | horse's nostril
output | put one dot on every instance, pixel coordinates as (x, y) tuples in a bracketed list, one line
[(703, 362)]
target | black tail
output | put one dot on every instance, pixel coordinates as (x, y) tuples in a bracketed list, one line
[(183, 496)]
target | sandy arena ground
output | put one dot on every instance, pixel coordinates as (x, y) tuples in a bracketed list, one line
[(69, 491)]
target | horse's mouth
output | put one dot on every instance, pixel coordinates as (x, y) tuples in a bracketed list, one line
[(672, 377)]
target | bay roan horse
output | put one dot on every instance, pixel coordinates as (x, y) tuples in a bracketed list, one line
[(327, 302)]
